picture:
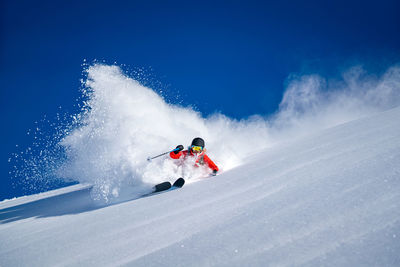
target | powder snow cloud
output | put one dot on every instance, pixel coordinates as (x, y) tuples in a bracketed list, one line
[(123, 122)]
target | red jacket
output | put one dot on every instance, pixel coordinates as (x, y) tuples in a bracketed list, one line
[(202, 158)]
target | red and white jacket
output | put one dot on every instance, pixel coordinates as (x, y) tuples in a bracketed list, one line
[(202, 158)]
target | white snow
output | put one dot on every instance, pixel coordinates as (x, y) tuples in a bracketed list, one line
[(327, 199), (123, 122)]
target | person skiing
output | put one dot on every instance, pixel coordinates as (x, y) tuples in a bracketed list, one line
[(196, 150)]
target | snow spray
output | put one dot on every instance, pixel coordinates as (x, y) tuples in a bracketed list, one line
[(122, 122)]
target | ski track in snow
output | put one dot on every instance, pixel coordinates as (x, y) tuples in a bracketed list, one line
[(329, 199)]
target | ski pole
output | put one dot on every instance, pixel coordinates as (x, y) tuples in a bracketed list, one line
[(162, 154)]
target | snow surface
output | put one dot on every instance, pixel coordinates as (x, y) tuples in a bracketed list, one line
[(329, 199)]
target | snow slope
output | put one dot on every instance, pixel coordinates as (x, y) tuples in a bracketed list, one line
[(330, 199)]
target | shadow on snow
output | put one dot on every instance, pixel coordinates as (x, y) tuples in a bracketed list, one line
[(65, 204)]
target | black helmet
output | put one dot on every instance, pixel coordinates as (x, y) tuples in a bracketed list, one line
[(198, 142)]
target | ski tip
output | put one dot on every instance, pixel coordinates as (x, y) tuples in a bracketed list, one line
[(162, 187), (179, 183)]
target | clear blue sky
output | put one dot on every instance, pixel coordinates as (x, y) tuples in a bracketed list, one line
[(228, 56)]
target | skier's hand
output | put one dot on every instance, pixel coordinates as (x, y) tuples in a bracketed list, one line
[(178, 149), (214, 172)]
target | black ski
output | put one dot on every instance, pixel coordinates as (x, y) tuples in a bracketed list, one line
[(162, 187), (167, 185), (179, 183)]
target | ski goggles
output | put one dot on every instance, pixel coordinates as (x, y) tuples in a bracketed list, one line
[(196, 148)]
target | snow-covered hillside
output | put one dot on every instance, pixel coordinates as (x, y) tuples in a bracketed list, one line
[(330, 199)]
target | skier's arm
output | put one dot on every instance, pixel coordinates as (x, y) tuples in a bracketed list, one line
[(177, 153), (210, 163)]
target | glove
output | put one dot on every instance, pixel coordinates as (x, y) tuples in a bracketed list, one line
[(178, 149), (214, 172)]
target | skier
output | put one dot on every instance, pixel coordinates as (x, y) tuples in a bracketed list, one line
[(197, 150)]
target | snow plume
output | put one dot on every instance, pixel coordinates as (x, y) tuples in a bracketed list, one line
[(123, 122), (312, 103)]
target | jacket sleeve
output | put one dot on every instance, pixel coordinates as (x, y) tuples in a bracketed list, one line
[(175, 156), (210, 163)]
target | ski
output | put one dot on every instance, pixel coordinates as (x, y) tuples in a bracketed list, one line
[(164, 186), (179, 183)]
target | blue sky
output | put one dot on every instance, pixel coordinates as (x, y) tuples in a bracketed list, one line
[(227, 56)]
